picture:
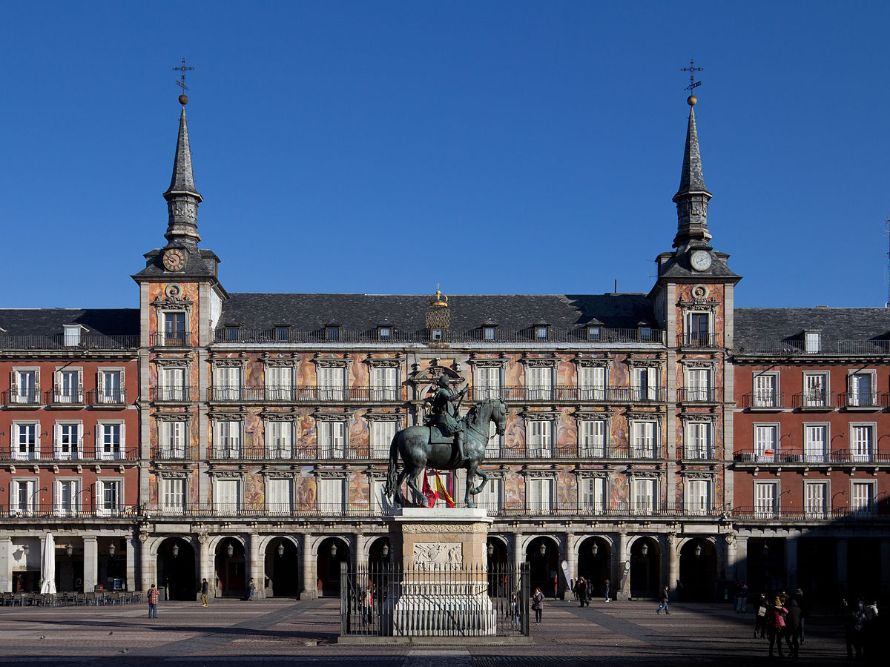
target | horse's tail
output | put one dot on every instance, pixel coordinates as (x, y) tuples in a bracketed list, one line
[(392, 471)]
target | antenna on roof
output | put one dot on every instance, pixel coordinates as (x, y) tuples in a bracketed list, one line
[(615, 290)]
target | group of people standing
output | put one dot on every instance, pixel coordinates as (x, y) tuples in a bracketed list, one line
[(583, 591), (861, 629)]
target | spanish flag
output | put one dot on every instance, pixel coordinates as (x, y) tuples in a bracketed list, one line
[(442, 492), (431, 495)]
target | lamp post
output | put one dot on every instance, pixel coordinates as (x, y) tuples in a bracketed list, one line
[(697, 551), (644, 552), (280, 549), (230, 550), (175, 550)]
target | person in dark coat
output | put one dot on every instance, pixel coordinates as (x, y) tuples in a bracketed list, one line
[(581, 590), (760, 616), (793, 627)]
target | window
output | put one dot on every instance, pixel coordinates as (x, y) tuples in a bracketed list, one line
[(379, 502), (384, 333), (766, 442), (699, 384), (861, 390), (540, 495), (643, 440), (592, 383), (699, 441), (493, 445), (332, 333), (816, 500), (172, 494), (698, 329), (540, 383), (68, 440), (110, 443), (491, 497), (279, 495), (815, 390), (644, 496), (69, 388), (489, 333), (332, 440), (171, 439), (813, 342), (542, 331), (766, 390), (594, 332), (111, 387), (861, 442), (592, 437), (174, 329), (384, 383), (539, 442), (227, 383), (282, 334), (382, 433), (698, 496), (279, 439), (645, 383), (71, 334), (227, 496), (862, 497), (593, 494), (25, 387), (766, 500), (109, 497), (646, 333), (173, 385), (815, 443), (332, 495), (67, 497), (486, 382), (231, 334), (24, 497), (26, 440), (331, 383), (437, 334), (280, 383), (227, 440)]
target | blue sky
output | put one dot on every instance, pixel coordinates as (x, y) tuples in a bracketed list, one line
[(493, 147)]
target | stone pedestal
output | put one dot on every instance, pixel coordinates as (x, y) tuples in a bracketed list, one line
[(444, 586)]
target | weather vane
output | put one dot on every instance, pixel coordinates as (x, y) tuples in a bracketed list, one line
[(693, 84), (182, 68)]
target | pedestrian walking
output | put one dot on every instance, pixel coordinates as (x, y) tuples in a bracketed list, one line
[(581, 588), (251, 590), (205, 591), (793, 627), (606, 586), (760, 616), (153, 596), (775, 628), (664, 597), (538, 604), (741, 598)]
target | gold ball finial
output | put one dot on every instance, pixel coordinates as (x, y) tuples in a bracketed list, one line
[(691, 100), (183, 99)]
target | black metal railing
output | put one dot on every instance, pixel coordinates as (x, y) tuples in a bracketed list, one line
[(77, 453), (697, 340), (381, 600), (869, 400), (809, 457), (698, 453), (763, 400), (797, 347), (64, 396), (112, 398), (176, 339), (277, 394), (811, 513), (86, 510), (23, 397), (68, 343), (814, 400), (697, 395), (172, 394)]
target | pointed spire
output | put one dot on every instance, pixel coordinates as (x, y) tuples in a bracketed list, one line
[(182, 196), (692, 198)]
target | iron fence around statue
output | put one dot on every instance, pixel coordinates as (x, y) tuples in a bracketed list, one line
[(369, 597)]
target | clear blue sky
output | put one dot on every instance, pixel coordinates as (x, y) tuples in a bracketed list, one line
[(495, 147)]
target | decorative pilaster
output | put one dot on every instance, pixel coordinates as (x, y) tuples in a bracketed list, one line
[(90, 562)]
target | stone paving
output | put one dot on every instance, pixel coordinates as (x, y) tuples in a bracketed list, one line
[(287, 632)]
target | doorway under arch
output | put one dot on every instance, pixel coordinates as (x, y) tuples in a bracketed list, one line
[(542, 555), (645, 568), (331, 552), (231, 568), (497, 561), (698, 571), (283, 568), (380, 555), (595, 564), (176, 569)]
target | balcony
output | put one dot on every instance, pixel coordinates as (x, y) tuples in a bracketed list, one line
[(107, 398), (65, 398), (703, 395), (809, 514), (22, 398), (179, 339), (86, 511), (698, 454), (862, 401), (171, 394), (82, 343), (808, 457), (289, 454), (814, 401), (286, 395), (171, 454), (79, 454), (568, 394), (763, 401), (698, 341)]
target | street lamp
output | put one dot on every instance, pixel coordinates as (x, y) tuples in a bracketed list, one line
[(543, 549), (594, 550), (490, 550), (69, 550), (175, 550), (111, 549), (333, 549), (644, 550), (698, 551), (765, 550), (385, 550), (230, 550), (280, 549)]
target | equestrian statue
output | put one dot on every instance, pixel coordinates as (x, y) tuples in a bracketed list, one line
[(446, 442)]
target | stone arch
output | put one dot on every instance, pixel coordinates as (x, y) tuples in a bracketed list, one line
[(230, 565), (698, 570), (645, 566), (544, 563), (281, 566), (176, 562), (595, 555), (379, 552), (330, 552)]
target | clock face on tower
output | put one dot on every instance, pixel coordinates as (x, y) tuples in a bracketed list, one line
[(700, 260), (174, 259)]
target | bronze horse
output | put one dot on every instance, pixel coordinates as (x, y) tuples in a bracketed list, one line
[(413, 444)]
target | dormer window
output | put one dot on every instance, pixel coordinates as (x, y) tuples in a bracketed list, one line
[(332, 333), (542, 331), (437, 334), (384, 332), (594, 332), (282, 333), (489, 332), (72, 334), (231, 333), (645, 332), (813, 342)]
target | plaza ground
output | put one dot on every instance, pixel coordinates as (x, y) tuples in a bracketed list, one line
[(286, 632)]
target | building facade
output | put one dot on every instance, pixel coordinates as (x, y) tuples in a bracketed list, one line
[(260, 426)]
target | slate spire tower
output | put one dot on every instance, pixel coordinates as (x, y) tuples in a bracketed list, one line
[(693, 196), (182, 196)]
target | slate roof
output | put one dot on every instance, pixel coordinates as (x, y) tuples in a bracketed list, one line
[(762, 328), (359, 312), (49, 321)]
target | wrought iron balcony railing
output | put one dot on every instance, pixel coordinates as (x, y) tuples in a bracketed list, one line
[(814, 400), (112, 398), (863, 400), (763, 400), (696, 395), (697, 340), (172, 394), (806, 457), (177, 339), (80, 454), (83, 342)]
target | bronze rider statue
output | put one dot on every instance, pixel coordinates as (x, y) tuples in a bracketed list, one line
[(444, 416)]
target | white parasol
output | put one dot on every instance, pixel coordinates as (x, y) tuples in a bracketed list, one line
[(48, 566)]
